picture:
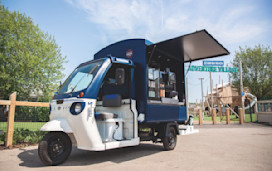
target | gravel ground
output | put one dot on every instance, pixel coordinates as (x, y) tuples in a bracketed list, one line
[(215, 147)]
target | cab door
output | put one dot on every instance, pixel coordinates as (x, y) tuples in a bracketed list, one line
[(115, 97)]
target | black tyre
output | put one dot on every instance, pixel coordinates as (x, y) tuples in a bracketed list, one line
[(170, 140), (54, 148)]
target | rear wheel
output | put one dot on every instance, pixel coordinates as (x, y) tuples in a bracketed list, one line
[(54, 148), (170, 140)]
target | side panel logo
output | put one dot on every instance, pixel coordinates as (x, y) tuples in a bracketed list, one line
[(129, 53)]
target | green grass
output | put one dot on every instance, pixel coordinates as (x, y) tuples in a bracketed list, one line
[(32, 126), (232, 118)]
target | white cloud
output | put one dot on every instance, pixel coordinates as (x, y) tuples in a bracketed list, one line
[(232, 23), (159, 20)]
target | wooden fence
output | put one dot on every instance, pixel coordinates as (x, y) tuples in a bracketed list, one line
[(240, 111), (13, 103)]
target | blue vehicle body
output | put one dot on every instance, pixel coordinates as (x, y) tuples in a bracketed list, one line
[(175, 52), (132, 91), (153, 112)]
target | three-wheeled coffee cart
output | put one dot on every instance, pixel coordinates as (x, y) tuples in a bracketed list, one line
[(132, 91)]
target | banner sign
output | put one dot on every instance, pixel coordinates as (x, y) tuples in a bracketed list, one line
[(213, 69), (213, 63)]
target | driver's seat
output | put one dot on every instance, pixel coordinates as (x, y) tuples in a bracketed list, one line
[(111, 100)]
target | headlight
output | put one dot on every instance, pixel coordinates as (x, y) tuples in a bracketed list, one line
[(77, 108)]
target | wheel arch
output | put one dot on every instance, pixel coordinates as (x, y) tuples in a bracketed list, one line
[(57, 125), (171, 124)]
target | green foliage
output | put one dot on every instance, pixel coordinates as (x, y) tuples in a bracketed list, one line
[(30, 60), (3, 137), (21, 135), (31, 126), (33, 114), (257, 70)]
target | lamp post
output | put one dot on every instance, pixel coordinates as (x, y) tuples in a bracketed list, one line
[(201, 79), (242, 89)]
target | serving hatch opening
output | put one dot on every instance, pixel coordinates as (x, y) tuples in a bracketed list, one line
[(190, 47)]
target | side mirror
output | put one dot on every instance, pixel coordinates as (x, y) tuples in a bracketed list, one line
[(120, 76)]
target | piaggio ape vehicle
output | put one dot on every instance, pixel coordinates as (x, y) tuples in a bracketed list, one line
[(132, 91)]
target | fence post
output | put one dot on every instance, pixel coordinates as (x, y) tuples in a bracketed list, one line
[(241, 116), (200, 116), (227, 116), (10, 128), (256, 107), (214, 116)]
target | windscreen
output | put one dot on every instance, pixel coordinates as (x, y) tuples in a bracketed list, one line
[(80, 78)]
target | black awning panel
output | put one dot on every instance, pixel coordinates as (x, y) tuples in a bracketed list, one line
[(194, 46)]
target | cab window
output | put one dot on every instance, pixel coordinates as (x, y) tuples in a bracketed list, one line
[(111, 85)]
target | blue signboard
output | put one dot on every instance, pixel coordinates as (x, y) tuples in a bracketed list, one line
[(213, 69), (213, 63)]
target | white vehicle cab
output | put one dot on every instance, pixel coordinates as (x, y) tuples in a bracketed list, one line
[(132, 91)]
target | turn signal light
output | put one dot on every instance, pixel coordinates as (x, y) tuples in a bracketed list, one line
[(81, 94)]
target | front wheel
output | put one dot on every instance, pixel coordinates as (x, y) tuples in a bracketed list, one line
[(170, 140), (54, 148)]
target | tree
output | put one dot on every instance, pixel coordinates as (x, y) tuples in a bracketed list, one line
[(30, 60), (257, 70)]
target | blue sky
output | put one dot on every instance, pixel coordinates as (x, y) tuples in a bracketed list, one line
[(82, 27)]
